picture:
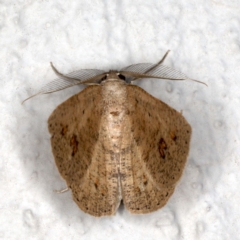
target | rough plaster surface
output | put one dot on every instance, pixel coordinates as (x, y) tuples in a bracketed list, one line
[(204, 39)]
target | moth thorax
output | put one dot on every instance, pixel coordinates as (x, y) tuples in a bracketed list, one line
[(114, 91)]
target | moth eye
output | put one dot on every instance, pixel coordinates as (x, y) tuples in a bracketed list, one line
[(121, 76), (104, 78)]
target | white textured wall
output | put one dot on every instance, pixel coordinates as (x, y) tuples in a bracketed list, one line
[(204, 38)]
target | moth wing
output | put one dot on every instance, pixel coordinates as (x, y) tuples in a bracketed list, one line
[(79, 156), (160, 138)]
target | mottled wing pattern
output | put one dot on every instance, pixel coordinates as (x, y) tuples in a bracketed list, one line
[(160, 138), (79, 154)]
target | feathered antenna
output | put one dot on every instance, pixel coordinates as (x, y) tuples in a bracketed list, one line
[(82, 76), (95, 76), (148, 70)]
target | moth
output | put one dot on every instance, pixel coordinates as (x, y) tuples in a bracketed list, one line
[(114, 142)]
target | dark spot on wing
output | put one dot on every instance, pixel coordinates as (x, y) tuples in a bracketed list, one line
[(162, 147), (74, 144)]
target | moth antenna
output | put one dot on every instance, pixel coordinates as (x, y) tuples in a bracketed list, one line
[(94, 76), (83, 76), (158, 70), (159, 63), (88, 81), (164, 57), (137, 76), (30, 97), (144, 67), (155, 65), (60, 74)]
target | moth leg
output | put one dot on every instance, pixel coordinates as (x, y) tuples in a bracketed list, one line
[(62, 190)]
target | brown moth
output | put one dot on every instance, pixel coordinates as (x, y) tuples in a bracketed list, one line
[(113, 141)]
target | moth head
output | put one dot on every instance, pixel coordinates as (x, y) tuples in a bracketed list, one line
[(113, 76)]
